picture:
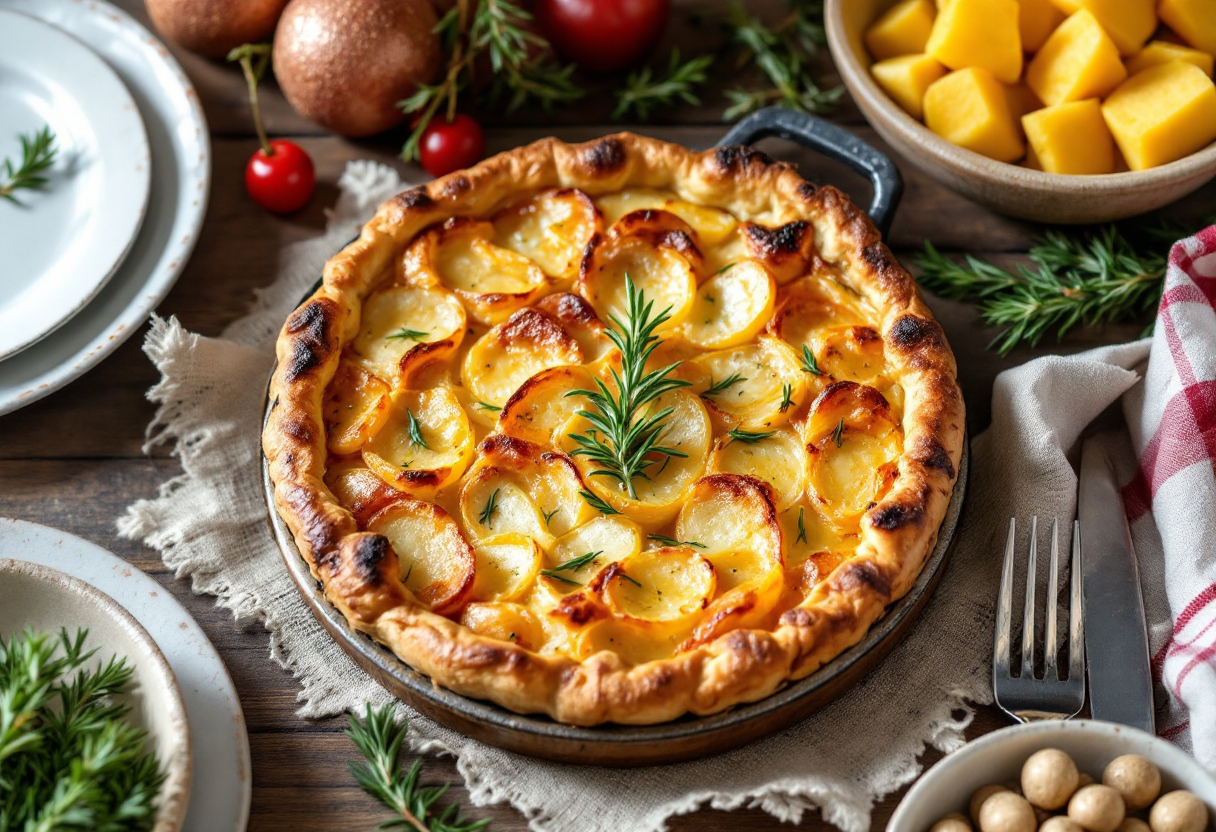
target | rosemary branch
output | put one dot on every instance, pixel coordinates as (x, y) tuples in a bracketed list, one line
[(37, 155), (643, 91)]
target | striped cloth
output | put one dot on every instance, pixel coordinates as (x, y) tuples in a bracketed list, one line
[(1171, 500)]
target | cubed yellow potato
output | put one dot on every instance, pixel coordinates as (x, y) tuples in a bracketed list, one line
[(1037, 19), (1162, 114), (979, 33), (1071, 138), (1128, 22), (906, 78), (1162, 52), (1078, 61), (1194, 20), (970, 108), (1022, 100), (903, 30)]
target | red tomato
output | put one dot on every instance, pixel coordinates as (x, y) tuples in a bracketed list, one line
[(451, 145), (283, 181), (603, 35)]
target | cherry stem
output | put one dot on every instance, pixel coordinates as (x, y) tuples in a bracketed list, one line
[(252, 76)]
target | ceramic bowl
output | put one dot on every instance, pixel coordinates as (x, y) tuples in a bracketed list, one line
[(998, 758), (47, 600), (1007, 189)]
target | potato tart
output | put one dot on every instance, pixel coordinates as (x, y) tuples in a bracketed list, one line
[(615, 431)]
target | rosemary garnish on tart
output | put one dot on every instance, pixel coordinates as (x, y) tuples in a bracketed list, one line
[(625, 429)]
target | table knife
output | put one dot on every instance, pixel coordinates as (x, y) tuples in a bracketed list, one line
[(1116, 635)]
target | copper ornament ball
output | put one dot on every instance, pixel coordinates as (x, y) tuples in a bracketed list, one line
[(213, 27), (346, 63)]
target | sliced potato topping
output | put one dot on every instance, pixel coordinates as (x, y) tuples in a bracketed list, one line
[(359, 489), (712, 225), (635, 642), (805, 531), (426, 442), (851, 353), (541, 407), (513, 352), (731, 307), (492, 281), (552, 229), (729, 513), (806, 308), (504, 621), (578, 318), (609, 538), (779, 459), (746, 603), (492, 505), (356, 405), (753, 386), (437, 564), (506, 566), (662, 586), (398, 318), (662, 273)]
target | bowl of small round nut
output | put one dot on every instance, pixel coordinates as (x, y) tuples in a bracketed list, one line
[(1062, 776)]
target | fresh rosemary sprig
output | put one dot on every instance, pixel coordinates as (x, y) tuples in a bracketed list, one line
[(407, 333), (723, 385), (415, 430), (625, 429), (784, 55), (549, 515), (671, 541), (801, 528), (787, 397), (749, 437), (572, 565), (809, 364), (69, 759), (838, 434), (379, 739), (643, 91), (493, 408), (497, 29), (487, 513), (596, 503), (37, 155), (1095, 277)]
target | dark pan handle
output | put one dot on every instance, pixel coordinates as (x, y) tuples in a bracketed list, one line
[(833, 142)]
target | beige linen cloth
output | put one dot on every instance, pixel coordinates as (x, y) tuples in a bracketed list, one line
[(209, 523)]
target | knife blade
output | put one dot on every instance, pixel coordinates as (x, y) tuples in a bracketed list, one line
[(1116, 635)]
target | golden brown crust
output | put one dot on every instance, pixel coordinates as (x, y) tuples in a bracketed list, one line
[(358, 569)]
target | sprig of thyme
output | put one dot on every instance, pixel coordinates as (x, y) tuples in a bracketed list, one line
[(405, 333), (38, 153), (625, 429), (722, 386), (643, 90), (415, 430), (783, 53), (671, 541), (1091, 278), (809, 364), (572, 565), (487, 513), (749, 437), (379, 739)]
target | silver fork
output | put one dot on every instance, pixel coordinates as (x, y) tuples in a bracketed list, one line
[(1024, 697)]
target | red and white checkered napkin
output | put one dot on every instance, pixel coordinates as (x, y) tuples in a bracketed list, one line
[(1171, 502)]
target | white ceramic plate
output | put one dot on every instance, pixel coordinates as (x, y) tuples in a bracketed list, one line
[(220, 788), (181, 159), (61, 244)]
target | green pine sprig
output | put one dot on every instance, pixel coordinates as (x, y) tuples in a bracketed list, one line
[(38, 153), (1089, 278), (379, 739), (626, 430), (643, 91)]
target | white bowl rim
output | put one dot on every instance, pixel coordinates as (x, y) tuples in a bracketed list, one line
[(170, 815), (974, 163), (1175, 758)]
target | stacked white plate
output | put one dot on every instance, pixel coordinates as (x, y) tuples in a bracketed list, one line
[(85, 259)]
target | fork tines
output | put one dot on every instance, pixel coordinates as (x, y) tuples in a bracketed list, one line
[(1025, 697)]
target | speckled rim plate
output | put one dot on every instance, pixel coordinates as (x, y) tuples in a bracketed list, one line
[(60, 244), (181, 164), (687, 738), (221, 784)]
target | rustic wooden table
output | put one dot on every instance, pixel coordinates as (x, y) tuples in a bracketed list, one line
[(74, 459)]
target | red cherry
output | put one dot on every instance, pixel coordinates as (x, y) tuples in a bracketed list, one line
[(283, 181), (451, 145)]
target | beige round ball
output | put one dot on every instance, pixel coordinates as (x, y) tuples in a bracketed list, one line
[(213, 27), (1049, 777), (1178, 811), (1097, 808), (346, 63), (1084, 779), (1060, 823), (1007, 812), (1135, 778), (953, 822), (979, 796), (1133, 825)]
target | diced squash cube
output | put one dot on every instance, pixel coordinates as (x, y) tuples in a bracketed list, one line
[(903, 30), (1162, 114), (1161, 52), (1037, 19), (1071, 138), (969, 108), (1022, 100), (1128, 22), (1194, 20), (980, 33), (907, 78), (1078, 61)]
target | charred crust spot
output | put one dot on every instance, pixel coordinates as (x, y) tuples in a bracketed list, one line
[(807, 191), (310, 325), (894, 517), (456, 186), (911, 332), (780, 242), (737, 157), (878, 257), (865, 335), (578, 609), (865, 573), (797, 617), (605, 157), (932, 454), (418, 477), (299, 430), (533, 327), (415, 198), (509, 446), (568, 308), (368, 553), (303, 360)]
